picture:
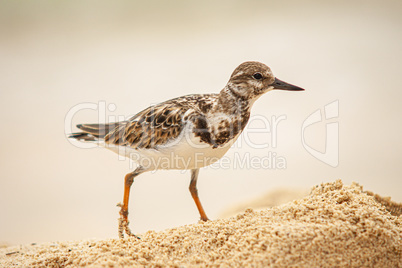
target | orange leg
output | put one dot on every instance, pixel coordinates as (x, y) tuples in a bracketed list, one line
[(194, 193), (123, 220)]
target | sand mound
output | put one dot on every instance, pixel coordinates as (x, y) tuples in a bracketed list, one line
[(271, 199), (336, 225)]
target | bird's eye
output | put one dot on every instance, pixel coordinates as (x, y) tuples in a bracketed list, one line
[(257, 76)]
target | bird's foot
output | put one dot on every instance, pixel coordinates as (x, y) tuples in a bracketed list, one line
[(123, 223)]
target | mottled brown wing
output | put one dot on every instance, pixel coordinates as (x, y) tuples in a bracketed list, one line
[(153, 126), (158, 124)]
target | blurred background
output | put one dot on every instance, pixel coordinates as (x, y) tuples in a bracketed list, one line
[(55, 55)]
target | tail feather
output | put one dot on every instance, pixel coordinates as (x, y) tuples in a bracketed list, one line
[(93, 132), (82, 136)]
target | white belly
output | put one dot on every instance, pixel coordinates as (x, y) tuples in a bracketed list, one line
[(185, 152)]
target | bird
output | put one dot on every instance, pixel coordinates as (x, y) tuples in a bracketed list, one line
[(184, 133)]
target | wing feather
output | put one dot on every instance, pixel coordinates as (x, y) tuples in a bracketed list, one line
[(157, 124)]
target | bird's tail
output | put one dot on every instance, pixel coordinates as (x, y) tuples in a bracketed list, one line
[(93, 132)]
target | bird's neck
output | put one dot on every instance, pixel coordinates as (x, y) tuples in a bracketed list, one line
[(233, 104)]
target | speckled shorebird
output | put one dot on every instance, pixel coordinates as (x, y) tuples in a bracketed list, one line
[(188, 132)]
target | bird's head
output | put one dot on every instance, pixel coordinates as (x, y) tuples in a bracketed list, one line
[(251, 79)]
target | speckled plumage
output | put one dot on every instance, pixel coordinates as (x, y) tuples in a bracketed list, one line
[(185, 127)]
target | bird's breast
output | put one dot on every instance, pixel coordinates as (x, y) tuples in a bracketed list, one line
[(187, 151)]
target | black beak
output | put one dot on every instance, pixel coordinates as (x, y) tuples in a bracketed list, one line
[(279, 84)]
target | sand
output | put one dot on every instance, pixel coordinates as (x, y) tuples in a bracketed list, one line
[(271, 199), (335, 226)]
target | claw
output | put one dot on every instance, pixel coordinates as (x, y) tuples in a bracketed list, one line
[(123, 225)]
